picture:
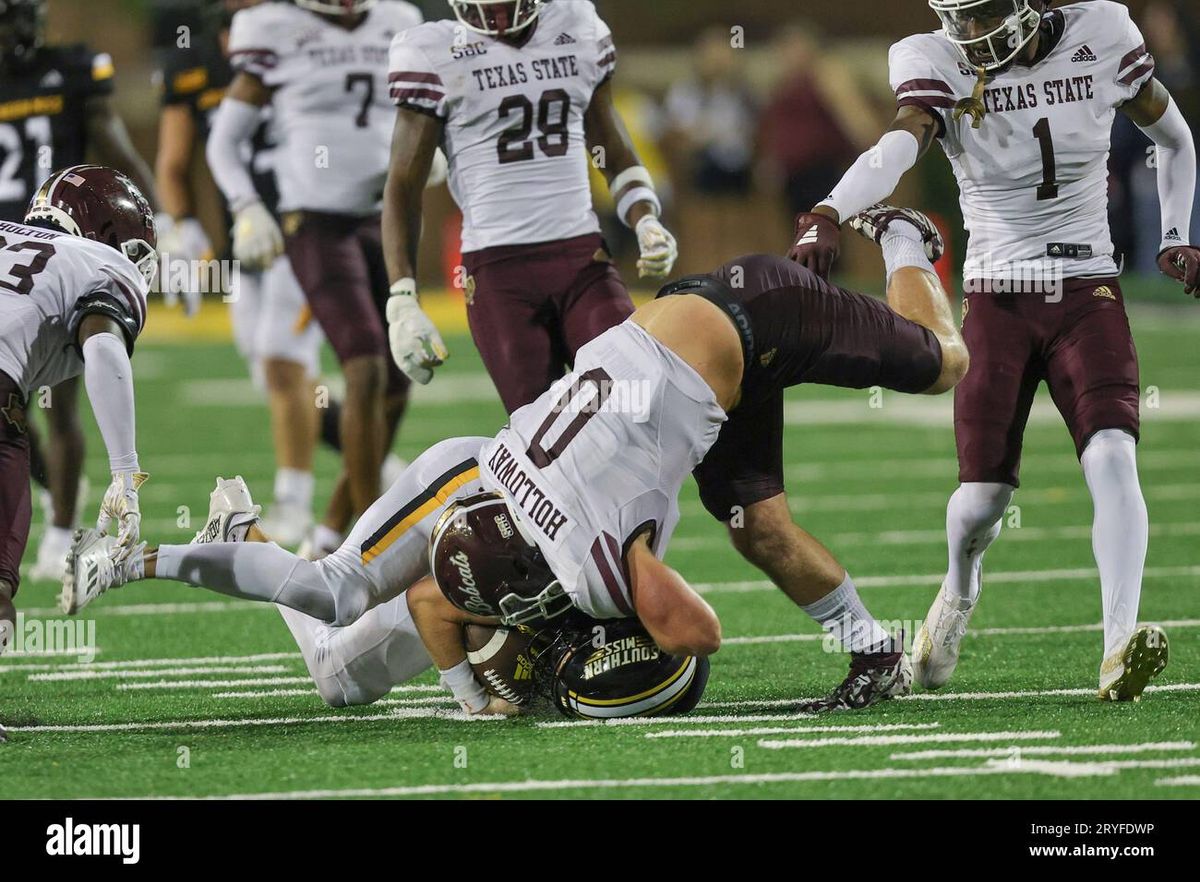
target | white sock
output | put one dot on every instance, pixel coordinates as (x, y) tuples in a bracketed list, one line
[(1120, 530), (842, 614), (294, 487), (973, 518), (251, 571), (59, 537), (460, 680), (902, 246)]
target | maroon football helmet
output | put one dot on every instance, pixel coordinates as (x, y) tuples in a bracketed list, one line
[(99, 203), (484, 566)]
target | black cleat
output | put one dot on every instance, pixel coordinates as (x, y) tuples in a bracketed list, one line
[(873, 677)]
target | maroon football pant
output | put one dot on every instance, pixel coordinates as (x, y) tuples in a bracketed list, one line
[(15, 497), (531, 307), (1081, 346), (338, 260)]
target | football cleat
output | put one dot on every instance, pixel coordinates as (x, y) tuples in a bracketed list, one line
[(231, 513), (287, 524), (873, 677), (1124, 674), (937, 644), (873, 222), (91, 569)]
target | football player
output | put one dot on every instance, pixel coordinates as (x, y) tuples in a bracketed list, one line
[(55, 111), (272, 327), (574, 502), (321, 66), (519, 94), (73, 283), (1022, 100)]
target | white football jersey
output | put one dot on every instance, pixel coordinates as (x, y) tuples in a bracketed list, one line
[(48, 282), (1033, 179), (333, 118), (600, 457), (514, 133)]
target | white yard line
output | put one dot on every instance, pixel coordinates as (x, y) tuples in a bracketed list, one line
[(156, 609), (57, 676), (400, 713), (151, 662), (884, 740), (1035, 693), (282, 693), (777, 730), (1179, 781), (215, 684), (1044, 750), (935, 579), (978, 632)]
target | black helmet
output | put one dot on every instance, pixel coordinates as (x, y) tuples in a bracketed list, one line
[(602, 669)]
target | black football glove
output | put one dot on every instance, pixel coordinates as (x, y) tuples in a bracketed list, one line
[(1182, 263), (817, 242)]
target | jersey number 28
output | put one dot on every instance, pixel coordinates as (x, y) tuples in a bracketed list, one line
[(516, 144)]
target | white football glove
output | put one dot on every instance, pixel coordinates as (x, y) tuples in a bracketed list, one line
[(120, 504), (182, 240), (439, 169), (417, 347), (658, 248), (257, 239)]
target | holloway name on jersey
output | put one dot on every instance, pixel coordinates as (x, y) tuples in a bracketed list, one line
[(1033, 177), (513, 114), (333, 117)]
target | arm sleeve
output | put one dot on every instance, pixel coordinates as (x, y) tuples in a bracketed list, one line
[(1136, 66), (108, 376), (234, 125), (917, 84), (875, 175), (413, 82), (1175, 156)]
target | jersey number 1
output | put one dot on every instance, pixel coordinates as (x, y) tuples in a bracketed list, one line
[(1048, 189)]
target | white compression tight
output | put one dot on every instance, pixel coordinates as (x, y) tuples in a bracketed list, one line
[(972, 523), (1120, 530), (360, 663)]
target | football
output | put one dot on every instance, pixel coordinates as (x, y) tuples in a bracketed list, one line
[(501, 661)]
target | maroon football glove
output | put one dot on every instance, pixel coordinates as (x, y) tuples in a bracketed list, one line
[(1182, 263), (816, 244)]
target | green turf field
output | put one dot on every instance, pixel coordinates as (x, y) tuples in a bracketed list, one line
[(191, 694)]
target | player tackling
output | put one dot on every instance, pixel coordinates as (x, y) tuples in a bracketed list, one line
[(1022, 100), (73, 283), (575, 501)]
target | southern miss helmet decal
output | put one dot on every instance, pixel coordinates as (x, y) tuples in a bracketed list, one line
[(609, 669)]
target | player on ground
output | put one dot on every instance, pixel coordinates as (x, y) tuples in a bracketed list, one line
[(1022, 100), (322, 67), (272, 326), (575, 501), (73, 283), (55, 111), (519, 94)]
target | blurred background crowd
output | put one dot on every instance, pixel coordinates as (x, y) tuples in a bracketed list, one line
[(745, 113)]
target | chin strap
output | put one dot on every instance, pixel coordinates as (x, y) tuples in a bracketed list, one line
[(973, 105)]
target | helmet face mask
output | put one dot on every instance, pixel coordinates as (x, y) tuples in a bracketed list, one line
[(22, 32), (485, 566), (101, 204), (496, 18), (335, 7), (988, 33)]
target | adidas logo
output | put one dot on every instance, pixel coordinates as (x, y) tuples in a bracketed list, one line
[(809, 237), (564, 40), (1173, 235), (1085, 53)]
